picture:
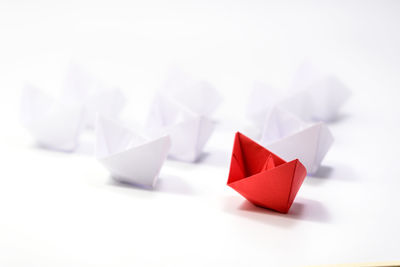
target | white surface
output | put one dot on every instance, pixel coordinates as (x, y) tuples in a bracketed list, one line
[(62, 209)]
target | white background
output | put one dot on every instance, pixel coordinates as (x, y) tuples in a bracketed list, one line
[(63, 209)]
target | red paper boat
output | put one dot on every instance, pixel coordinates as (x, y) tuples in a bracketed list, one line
[(263, 178)]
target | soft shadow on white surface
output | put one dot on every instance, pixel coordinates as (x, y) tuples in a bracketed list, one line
[(181, 165), (339, 172), (309, 210), (174, 185), (165, 184), (128, 185), (323, 172), (341, 117), (130, 190), (44, 149), (85, 147), (218, 158), (301, 210)]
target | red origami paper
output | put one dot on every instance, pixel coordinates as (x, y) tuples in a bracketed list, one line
[(263, 178)]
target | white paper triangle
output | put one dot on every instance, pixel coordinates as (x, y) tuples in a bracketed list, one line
[(129, 157), (290, 138), (189, 131)]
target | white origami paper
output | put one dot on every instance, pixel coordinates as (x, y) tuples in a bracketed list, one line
[(57, 123), (181, 111), (200, 97), (53, 124), (262, 98), (321, 95), (130, 158), (189, 132), (312, 97), (96, 97), (290, 138)]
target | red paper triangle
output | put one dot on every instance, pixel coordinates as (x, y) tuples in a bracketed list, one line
[(262, 177)]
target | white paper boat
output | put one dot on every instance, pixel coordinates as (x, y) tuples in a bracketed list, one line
[(129, 157), (200, 97), (290, 138), (316, 96), (312, 97), (262, 98), (96, 97), (53, 124), (181, 109), (189, 131)]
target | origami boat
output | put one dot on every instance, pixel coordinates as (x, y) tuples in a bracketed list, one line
[(201, 97), (53, 124), (189, 132), (312, 96), (289, 137), (130, 158), (94, 95), (57, 123), (182, 109), (316, 96), (262, 177)]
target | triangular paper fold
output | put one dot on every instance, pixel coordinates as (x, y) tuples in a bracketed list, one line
[(129, 157), (289, 137), (262, 177), (188, 130)]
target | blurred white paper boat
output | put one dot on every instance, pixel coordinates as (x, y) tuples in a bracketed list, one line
[(262, 98), (290, 138), (200, 97), (53, 124), (57, 123), (312, 97), (189, 132), (96, 97), (181, 110), (129, 158), (316, 96)]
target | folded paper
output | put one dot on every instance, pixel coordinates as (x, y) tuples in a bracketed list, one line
[(95, 96), (53, 124), (316, 96), (290, 138), (130, 158), (201, 97), (312, 96), (56, 123), (262, 177), (188, 131), (262, 98), (181, 110)]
